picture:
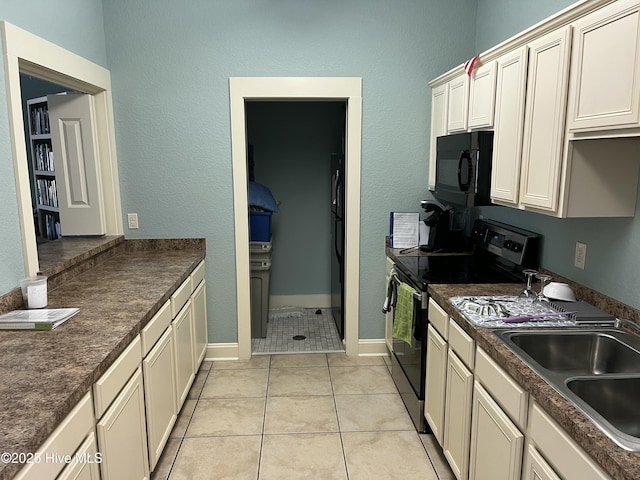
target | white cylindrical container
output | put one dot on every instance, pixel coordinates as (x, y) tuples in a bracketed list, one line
[(34, 291)]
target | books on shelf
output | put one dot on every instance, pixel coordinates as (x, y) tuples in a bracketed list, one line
[(42, 319)]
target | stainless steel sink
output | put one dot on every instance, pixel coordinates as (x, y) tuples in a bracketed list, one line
[(598, 370), (578, 351)]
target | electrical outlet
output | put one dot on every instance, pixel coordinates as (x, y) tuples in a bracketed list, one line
[(132, 218), (581, 255)]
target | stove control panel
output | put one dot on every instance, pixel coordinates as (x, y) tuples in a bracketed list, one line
[(514, 244)]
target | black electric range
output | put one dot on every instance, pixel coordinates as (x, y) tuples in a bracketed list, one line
[(498, 254)]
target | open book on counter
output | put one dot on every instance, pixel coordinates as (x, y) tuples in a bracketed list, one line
[(41, 319)]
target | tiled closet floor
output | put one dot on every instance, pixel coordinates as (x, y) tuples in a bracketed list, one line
[(315, 325), (303, 416)]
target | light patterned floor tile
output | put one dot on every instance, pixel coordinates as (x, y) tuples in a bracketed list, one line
[(342, 360), (295, 457), (236, 383), (388, 455), (227, 416), (184, 417), (299, 360), (299, 381), (372, 412), (219, 458), (257, 361), (364, 379), (438, 460), (300, 415)]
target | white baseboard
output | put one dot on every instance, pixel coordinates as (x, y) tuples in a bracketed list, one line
[(304, 301), (229, 351)]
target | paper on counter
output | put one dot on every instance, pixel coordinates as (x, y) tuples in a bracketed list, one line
[(404, 232)]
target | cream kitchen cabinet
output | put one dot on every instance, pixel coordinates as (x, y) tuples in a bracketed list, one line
[(482, 96), (564, 457), (496, 443), (160, 390), (458, 108), (508, 126), (183, 346), (199, 306), (439, 111), (458, 398), (436, 381), (544, 122), (68, 438), (122, 434), (85, 464), (604, 92), (535, 467)]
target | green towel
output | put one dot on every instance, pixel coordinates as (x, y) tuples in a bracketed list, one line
[(403, 321)]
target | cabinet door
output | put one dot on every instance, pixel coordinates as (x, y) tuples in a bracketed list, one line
[(122, 434), (511, 86), (458, 109), (86, 461), (439, 110), (545, 110), (199, 306), (496, 443), (536, 468), (160, 394), (435, 382), (605, 68), (482, 96), (457, 417), (183, 344)]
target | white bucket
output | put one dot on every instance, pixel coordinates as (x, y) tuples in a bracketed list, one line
[(34, 291)]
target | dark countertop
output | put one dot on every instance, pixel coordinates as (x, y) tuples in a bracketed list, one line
[(618, 462), (44, 374)]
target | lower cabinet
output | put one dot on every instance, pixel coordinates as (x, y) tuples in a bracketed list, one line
[(183, 346), (122, 434), (436, 381), (457, 416), (496, 443), (535, 467), (160, 394), (85, 465)]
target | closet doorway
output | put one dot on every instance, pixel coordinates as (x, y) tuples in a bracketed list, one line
[(347, 90), (296, 150)]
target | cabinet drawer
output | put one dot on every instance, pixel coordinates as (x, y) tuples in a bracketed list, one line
[(197, 276), (439, 319), (109, 385), (509, 395), (156, 327), (562, 453), (65, 440), (461, 343), (180, 297)]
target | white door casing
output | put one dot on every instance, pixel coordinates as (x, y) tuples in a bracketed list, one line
[(242, 89), (77, 169), (30, 54)]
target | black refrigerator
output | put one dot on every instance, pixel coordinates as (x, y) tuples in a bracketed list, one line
[(337, 241)]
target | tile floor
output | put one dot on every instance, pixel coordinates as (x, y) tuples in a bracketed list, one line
[(303, 416), (319, 330)]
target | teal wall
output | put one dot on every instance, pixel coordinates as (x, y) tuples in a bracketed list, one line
[(293, 143), (171, 62), (76, 25)]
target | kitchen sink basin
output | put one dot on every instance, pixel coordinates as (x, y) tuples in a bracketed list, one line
[(590, 352), (615, 399), (596, 369)]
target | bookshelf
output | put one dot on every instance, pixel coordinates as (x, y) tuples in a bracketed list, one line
[(47, 214)]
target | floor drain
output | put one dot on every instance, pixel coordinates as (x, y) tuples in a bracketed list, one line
[(299, 337)]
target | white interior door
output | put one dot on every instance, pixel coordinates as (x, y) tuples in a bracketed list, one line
[(78, 182)]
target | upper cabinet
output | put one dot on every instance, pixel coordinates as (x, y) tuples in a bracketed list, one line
[(605, 69), (458, 113), (545, 109), (563, 99), (482, 96)]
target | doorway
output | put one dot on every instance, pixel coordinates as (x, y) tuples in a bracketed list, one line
[(348, 90), (31, 55), (293, 152)]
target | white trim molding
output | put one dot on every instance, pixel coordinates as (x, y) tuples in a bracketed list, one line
[(242, 89)]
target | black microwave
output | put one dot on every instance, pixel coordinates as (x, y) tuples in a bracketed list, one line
[(463, 169)]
